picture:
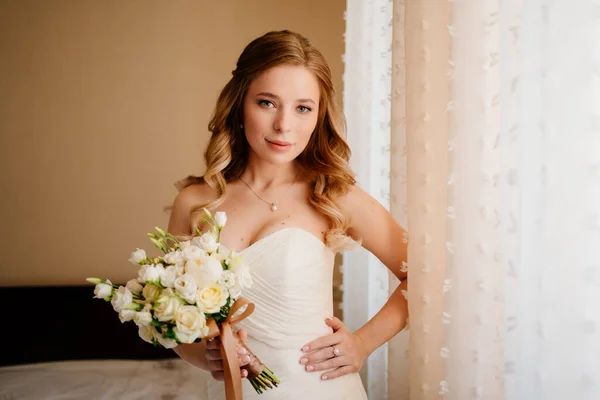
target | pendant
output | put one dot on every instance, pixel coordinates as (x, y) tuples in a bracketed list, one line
[(273, 207)]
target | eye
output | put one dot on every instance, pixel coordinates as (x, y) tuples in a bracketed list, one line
[(304, 109), (266, 103)]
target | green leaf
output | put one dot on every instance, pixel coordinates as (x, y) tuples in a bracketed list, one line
[(224, 312), (170, 334), (156, 323)]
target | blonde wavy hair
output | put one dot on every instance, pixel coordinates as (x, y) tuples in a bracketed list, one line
[(324, 161)]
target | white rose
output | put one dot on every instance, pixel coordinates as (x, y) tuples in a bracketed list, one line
[(143, 318), (241, 270), (185, 285), (150, 273), (208, 242), (134, 286), (127, 314), (219, 257), (137, 256), (193, 253), (204, 271), (174, 258), (211, 298), (230, 282), (220, 219), (167, 305), (103, 290), (166, 343), (167, 276), (151, 292), (148, 333), (190, 324), (121, 298)]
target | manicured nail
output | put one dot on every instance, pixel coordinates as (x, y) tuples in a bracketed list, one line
[(241, 351), (309, 368), (328, 319), (246, 359), (303, 360), (324, 377), (305, 348)]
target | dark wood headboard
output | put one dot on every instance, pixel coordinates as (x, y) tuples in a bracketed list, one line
[(54, 323)]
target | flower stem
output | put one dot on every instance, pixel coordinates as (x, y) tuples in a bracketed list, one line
[(259, 375)]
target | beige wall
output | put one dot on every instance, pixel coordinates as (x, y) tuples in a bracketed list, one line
[(103, 105)]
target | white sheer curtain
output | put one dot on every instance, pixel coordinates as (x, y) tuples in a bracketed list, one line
[(368, 108), (495, 135)]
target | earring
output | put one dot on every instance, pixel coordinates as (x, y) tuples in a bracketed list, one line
[(242, 126)]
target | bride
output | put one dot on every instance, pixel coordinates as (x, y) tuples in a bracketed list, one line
[(277, 164)]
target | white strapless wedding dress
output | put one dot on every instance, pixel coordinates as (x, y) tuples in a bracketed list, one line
[(292, 272)]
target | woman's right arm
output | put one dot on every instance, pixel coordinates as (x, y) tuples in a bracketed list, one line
[(206, 356)]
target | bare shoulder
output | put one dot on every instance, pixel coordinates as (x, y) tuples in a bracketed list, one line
[(187, 199), (376, 228)]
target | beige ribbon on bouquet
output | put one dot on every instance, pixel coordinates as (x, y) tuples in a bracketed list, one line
[(231, 364)]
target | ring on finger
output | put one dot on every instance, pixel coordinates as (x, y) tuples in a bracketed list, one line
[(336, 351)]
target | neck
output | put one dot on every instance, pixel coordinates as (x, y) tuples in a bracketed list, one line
[(263, 176)]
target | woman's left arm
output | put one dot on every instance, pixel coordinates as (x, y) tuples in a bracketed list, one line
[(343, 351)]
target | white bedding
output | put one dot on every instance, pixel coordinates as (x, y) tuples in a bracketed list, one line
[(104, 379)]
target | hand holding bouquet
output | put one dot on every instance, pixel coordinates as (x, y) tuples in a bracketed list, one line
[(190, 293)]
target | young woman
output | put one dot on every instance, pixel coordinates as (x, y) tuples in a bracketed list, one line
[(277, 164)]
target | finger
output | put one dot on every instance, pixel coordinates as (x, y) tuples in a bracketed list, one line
[(242, 335), (218, 375), (213, 355), (335, 323), (244, 360), (322, 342), (328, 364), (346, 369), (215, 365), (317, 356), (244, 373), (213, 344)]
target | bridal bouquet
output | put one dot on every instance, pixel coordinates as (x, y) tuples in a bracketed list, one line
[(190, 293)]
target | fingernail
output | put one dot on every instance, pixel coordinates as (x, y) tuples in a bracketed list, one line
[(241, 351), (305, 348), (303, 360), (324, 377), (328, 319), (246, 359)]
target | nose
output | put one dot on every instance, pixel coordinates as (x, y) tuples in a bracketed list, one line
[(282, 121)]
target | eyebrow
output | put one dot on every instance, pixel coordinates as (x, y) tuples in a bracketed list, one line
[(275, 97)]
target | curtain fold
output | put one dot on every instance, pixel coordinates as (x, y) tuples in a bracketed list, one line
[(426, 63)]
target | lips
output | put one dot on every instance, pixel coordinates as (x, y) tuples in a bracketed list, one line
[(279, 143)]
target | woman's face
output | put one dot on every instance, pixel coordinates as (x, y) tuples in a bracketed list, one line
[(280, 113)]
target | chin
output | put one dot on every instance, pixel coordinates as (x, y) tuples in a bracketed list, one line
[(278, 159)]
